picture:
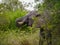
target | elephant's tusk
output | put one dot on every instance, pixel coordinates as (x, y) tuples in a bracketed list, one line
[(20, 22)]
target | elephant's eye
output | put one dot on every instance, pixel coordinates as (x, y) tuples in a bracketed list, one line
[(38, 15)]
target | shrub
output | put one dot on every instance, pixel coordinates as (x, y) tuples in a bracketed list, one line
[(4, 22)]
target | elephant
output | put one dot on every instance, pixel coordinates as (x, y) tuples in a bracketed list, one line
[(28, 20)]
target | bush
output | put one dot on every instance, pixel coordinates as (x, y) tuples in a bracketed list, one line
[(13, 16), (4, 22), (7, 19)]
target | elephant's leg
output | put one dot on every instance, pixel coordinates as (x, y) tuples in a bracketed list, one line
[(40, 42), (49, 38), (42, 37)]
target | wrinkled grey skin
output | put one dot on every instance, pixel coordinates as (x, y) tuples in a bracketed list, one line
[(27, 19)]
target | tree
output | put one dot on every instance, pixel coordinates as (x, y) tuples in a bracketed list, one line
[(12, 5), (53, 24)]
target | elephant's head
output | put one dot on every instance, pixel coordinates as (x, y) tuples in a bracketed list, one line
[(28, 19)]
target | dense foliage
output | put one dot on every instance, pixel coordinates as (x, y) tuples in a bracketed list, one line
[(12, 9), (52, 8)]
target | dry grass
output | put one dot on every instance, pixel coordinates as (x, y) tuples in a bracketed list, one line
[(13, 38)]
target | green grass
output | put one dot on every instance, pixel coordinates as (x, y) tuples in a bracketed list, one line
[(19, 38)]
